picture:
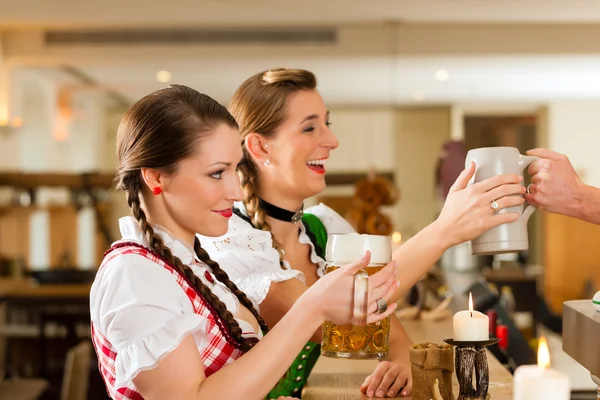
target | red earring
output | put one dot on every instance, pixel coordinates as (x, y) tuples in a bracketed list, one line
[(157, 190)]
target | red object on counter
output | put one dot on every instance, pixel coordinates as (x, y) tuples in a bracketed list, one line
[(502, 334)]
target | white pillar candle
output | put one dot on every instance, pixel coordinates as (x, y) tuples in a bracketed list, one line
[(471, 326), (540, 382)]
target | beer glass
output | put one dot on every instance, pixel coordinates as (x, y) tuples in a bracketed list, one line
[(358, 340)]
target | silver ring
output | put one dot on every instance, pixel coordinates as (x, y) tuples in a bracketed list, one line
[(495, 206), (382, 306), (528, 188)]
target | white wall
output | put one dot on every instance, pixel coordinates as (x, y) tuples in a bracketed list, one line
[(34, 97), (36, 100), (420, 134), (9, 145), (574, 129), (365, 135), (406, 141), (86, 143)]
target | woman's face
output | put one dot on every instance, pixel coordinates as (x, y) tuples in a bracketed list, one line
[(298, 151), (199, 196)]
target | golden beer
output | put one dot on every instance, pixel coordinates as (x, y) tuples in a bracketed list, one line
[(349, 341)]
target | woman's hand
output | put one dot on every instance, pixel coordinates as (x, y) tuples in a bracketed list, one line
[(392, 377), (333, 294), (467, 212), (389, 379)]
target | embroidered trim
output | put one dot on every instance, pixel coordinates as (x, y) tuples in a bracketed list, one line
[(220, 323), (246, 218)]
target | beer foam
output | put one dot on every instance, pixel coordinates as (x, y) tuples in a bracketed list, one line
[(345, 248)]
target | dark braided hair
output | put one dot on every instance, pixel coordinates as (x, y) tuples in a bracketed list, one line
[(223, 277), (156, 132)]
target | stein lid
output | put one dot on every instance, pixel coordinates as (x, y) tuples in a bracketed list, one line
[(346, 248)]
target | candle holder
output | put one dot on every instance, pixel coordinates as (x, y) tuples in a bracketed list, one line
[(470, 355)]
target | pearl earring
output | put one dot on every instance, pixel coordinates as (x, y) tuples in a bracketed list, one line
[(267, 162)]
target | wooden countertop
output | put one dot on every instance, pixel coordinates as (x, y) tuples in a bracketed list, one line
[(340, 379)]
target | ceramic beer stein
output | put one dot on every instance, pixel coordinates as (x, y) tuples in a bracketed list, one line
[(509, 237)]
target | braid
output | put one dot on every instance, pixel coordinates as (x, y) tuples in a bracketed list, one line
[(157, 245), (249, 181), (224, 278)]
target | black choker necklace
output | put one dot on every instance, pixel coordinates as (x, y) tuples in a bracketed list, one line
[(279, 213)]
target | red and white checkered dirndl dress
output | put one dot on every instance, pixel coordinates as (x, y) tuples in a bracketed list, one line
[(219, 352)]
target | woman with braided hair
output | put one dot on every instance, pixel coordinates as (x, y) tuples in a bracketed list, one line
[(286, 140), (166, 319)]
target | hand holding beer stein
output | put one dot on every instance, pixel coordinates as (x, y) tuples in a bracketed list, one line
[(365, 337)]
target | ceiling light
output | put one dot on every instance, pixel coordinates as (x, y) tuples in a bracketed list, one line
[(163, 76), (442, 75)]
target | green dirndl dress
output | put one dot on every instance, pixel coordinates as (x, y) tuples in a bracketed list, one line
[(295, 378)]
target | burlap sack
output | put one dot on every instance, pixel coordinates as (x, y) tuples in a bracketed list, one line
[(430, 361)]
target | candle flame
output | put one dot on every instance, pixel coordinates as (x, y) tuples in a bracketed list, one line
[(470, 302), (396, 237), (543, 353)]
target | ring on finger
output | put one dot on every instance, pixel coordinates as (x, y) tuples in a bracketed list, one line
[(528, 190), (382, 306), (494, 205)]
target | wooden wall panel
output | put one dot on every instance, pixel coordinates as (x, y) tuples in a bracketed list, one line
[(14, 232), (572, 257), (63, 236)]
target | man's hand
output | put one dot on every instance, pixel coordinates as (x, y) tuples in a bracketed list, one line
[(555, 186)]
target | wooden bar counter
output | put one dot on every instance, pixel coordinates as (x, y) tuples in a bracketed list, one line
[(333, 379)]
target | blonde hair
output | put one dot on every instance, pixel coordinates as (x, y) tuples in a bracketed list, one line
[(259, 106)]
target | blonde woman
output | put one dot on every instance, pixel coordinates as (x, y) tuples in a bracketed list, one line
[(286, 138)]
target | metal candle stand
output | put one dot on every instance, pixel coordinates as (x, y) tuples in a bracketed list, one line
[(472, 356)]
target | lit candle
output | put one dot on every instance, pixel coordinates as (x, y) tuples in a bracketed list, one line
[(540, 382), (470, 326)]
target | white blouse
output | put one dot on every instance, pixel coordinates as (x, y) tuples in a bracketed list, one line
[(141, 309), (249, 258)]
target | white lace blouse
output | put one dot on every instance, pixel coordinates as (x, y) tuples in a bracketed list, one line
[(251, 261), (138, 306)]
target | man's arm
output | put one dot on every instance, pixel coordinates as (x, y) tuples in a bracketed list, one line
[(589, 208), (556, 188)]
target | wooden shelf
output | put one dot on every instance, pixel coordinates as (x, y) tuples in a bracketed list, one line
[(75, 181), (342, 178), (105, 179)]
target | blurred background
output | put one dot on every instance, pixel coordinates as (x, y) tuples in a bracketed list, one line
[(411, 85)]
